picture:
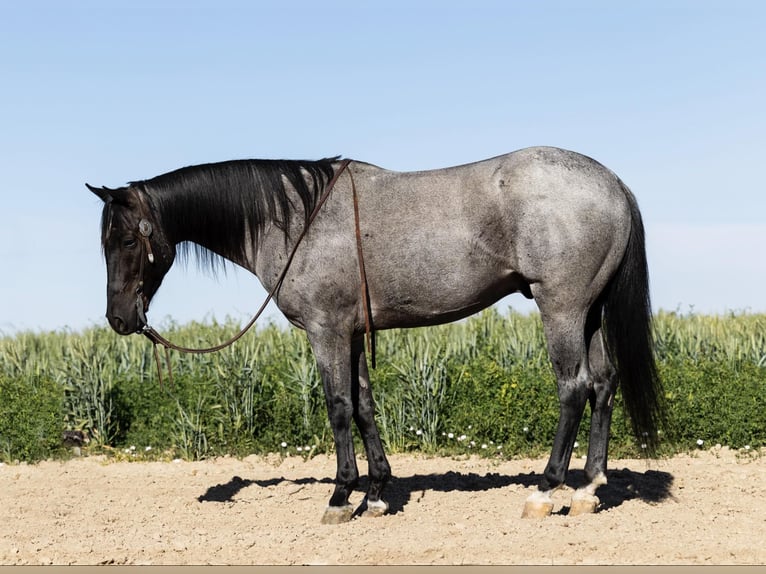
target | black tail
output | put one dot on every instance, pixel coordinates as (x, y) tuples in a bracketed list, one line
[(628, 328)]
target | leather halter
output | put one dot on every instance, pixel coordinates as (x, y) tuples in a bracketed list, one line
[(145, 231)]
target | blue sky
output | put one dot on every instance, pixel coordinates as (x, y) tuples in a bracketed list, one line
[(670, 95)]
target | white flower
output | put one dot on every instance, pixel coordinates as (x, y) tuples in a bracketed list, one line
[(576, 444), (700, 442), (132, 448), (525, 429), (484, 446), (747, 447), (148, 448), (643, 445), (299, 449), (418, 432), (451, 435), (284, 445)]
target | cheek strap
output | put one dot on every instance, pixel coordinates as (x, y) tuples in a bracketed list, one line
[(145, 229)]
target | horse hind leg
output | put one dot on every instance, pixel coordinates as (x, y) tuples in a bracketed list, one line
[(604, 378), (565, 333)]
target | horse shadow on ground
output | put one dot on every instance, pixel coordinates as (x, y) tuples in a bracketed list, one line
[(651, 486), (623, 485)]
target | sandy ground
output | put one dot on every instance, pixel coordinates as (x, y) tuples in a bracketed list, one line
[(704, 508)]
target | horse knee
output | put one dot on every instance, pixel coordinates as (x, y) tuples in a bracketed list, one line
[(340, 410)]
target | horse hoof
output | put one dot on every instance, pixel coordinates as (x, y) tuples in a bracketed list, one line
[(583, 504), (337, 514), (375, 509), (538, 504), (537, 509)]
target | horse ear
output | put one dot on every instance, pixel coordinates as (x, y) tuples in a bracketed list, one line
[(107, 194), (102, 192)]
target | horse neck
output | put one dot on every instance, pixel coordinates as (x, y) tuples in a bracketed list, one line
[(215, 226)]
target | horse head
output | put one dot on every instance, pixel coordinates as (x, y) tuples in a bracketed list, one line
[(138, 254)]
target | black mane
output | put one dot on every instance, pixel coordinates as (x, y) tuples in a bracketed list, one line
[(223, 202)]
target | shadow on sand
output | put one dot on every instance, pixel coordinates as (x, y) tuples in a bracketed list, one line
[(650, 486)]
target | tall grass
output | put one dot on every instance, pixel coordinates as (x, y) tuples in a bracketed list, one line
[(483, 385), (732, 338)]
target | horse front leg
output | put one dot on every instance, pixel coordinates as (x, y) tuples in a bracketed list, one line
[(332, 356), (364, 415)]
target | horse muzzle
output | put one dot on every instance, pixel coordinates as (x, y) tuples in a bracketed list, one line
[(129, 319), (120, 324)]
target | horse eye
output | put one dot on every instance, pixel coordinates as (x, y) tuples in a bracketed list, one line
[(129, 243)]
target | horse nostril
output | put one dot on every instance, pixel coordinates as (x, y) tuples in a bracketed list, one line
[(118, 324)]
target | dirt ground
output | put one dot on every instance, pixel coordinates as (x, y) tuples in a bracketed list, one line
[(704, 508)]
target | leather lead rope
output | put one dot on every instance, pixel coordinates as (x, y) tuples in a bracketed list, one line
[(157, 339), (366, 309)]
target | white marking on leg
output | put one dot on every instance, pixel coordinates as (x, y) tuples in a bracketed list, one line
[(541, 496), (376, 508), (590, 489), (584, 499)]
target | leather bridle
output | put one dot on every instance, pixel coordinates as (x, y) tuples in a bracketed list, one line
[(145, 232)]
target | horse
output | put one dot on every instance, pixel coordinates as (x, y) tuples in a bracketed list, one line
[(388, 249)]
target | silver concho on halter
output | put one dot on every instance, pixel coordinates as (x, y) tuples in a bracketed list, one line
[(145, 229)]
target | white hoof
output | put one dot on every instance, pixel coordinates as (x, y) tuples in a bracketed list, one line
[(375, 509), (584, 500), (583, 503), (538, 505)]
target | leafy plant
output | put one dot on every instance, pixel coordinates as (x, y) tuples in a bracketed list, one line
[(481, 385)]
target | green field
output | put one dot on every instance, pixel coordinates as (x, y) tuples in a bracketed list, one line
[(483, 385)]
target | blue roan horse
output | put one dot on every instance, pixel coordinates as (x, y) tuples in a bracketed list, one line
[(436, 246)]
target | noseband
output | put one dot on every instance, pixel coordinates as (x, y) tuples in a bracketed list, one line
[(145, 232)]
